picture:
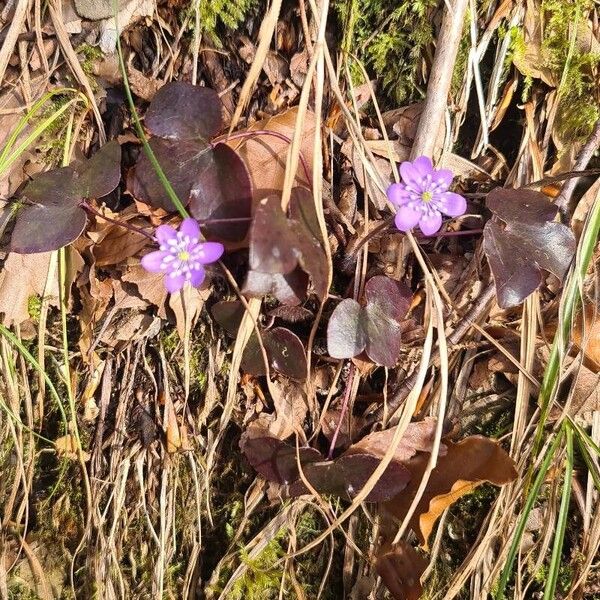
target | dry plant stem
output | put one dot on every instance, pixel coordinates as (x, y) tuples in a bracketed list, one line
[(342, 411), (474, 314), (89, 208), (591, 146), (440, 79), (18, 20)]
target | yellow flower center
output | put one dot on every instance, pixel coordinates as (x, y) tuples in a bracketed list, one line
[(183, 255), (426, 196)]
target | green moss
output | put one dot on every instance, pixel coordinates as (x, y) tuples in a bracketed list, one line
[(89, 55), (389, 37), (223, 13), (261, 581), (34, 308)]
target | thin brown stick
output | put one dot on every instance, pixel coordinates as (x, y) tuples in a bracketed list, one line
[(438, 86)]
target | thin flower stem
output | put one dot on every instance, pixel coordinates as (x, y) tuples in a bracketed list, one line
[(258, 132), (89, 208), (140, 130)]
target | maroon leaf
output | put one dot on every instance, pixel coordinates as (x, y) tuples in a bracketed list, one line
[(347, 475), (182, 111), (222, 190), (346, 335), (521, 240), (272, 248), (213, 180), (289, 289), (275, 460), (228, 314), (52, 216), (388, 302), (279, 244), (285, 352), (376, 328)]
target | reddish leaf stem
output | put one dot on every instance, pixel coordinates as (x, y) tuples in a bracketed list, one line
[(257, 132), (89, 208)]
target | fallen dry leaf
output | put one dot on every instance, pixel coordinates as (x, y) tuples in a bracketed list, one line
[(466, 465), (68, 446), (265, 155)]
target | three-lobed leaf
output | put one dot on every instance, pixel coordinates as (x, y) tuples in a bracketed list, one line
[(521, 240)]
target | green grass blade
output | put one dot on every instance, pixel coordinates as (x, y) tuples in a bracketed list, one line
[(529, 502), (561, 525)]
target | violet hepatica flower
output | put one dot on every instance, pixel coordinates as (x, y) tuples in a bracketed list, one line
[(423, 197), (181, 255)]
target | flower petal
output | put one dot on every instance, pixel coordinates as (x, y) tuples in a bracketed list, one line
[(430, 223), (452, 204), (397, 194), (423, 166), (197, 276), (444, 177), (164, 233), (174, 283), (410, 175), (191, 228), (407, 218), (153, 262), (209, 252)]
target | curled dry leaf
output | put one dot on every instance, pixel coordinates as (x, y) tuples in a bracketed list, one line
[(466, 465), (266, 155), (55, 197), (521, 240), (376, 327)]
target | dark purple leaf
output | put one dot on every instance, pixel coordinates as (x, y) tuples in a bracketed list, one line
[(228, 314), (182, 111), (388, 302), (222, 190), (272, 248), (278, 244), (308, 239), (285, 352), (275, 460), (51, 216), (346, 335), (289, 289), (291, 314), (521, 240), (347, 475), (375, 328)]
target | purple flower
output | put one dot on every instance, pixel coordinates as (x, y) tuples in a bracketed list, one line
[(182, 255), (423, 196)]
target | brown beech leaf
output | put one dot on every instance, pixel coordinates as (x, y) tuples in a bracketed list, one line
[(466, 465), (400, 567), (521, 240), (586, 335), (265, 155)]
